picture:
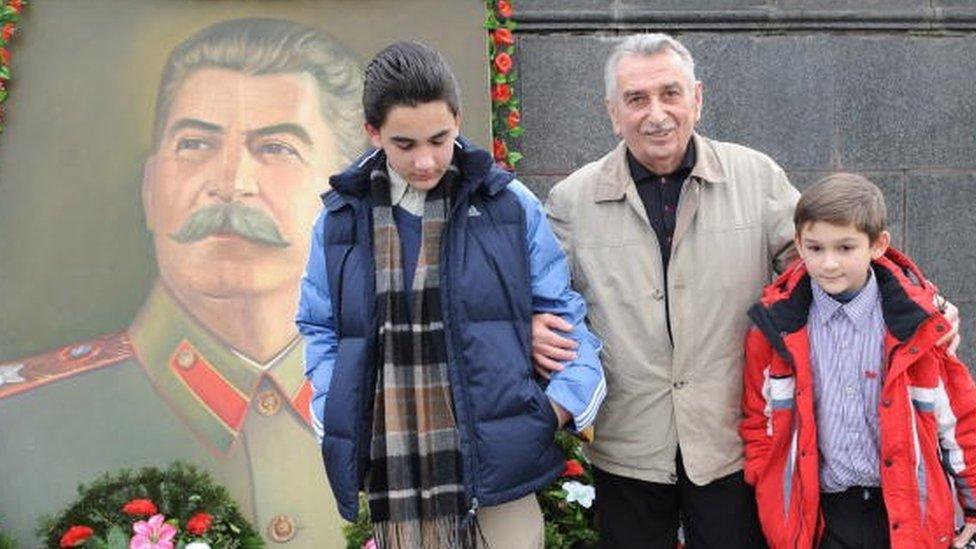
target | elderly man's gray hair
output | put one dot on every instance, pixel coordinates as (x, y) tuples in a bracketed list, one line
[(644, 45)]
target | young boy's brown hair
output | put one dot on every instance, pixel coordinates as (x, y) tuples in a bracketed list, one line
[(843, 199)]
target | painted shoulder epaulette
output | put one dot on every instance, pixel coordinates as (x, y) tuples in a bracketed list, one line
[(28, 373)]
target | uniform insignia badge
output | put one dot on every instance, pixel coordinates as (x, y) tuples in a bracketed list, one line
[(10, 373)]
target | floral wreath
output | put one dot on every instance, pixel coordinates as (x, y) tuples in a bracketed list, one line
[(180, 507), (506, 119), (9, 17)]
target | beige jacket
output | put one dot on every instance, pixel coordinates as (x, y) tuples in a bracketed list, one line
[(734, 222)]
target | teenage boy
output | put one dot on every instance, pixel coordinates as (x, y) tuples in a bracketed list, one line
[(854, 416), (426, 266)]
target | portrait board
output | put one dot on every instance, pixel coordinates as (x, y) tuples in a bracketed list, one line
[(160, 173)]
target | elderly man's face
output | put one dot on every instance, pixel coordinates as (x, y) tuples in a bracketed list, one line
[(655, 108), (232, 192)]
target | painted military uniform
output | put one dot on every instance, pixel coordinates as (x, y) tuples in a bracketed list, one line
[(164, 390)]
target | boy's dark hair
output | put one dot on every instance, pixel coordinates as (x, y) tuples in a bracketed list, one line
[(407, 73), (843, 199)]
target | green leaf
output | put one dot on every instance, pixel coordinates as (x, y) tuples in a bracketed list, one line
[(4, 73), (512, 77), (517, 131), (491, 22), (498, 78), (514, 157), (3, 95), (117, 538)]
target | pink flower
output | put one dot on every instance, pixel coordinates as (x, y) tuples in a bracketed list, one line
[(370, 544), (153, 534)]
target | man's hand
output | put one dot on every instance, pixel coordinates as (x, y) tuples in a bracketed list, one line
[(548, 347), (965, 535), (951, 339), (562, 415)]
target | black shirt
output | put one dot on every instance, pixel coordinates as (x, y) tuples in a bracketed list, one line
[(659, 194)]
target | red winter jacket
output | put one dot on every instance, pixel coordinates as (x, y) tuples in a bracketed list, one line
[(927, 414)]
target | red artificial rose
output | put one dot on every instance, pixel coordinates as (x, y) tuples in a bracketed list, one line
[(140, 508), (513, 119), (503, 62), (573, 468), (504, 8), (499, 149), (16, 5), (76, 535), (501, 93), (502, 37), (199, 524), (8, 31)]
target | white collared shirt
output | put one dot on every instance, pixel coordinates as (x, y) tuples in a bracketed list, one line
[(405, 196)]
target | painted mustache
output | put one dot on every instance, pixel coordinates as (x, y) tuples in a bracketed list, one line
[(246, 222)]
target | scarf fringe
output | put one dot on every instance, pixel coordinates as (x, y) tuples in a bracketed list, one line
[(448, 532)]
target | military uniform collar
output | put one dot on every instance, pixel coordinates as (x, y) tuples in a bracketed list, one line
[(208, 383)]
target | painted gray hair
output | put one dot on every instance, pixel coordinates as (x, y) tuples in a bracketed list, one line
[(644, 45), (272, 46)]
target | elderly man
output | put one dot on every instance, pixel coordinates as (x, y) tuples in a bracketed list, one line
[(671, 237), (252, 116)]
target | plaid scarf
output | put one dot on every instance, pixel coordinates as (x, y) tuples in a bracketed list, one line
[(416, 494)]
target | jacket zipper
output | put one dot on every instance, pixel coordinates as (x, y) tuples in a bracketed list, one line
[(471, 478)]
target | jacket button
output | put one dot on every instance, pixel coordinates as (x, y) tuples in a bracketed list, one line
[(281, 529), (886, 403), (940, 327), (678, 384), (888, 462), (913, 350), (657, 294)]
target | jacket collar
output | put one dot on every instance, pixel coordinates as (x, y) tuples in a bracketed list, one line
[(479, 173), (906, 299), (209, 385), (615, 175)]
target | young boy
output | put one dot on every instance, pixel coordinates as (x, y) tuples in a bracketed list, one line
[(854, 418), (425, 269)]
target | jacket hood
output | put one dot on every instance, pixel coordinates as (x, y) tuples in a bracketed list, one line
[(479, 173), (906, 298)]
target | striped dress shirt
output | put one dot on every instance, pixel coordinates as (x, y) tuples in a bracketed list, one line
[(846, 348)]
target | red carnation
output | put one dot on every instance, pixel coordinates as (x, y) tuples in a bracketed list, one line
[(140, 508), (199, 524), (503, 62), (513, 119), (8, 31), (499, 149), (502, 37), (504, 8), (76, 535), (501, 93), (573, 468)]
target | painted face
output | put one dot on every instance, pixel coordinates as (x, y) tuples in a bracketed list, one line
[(838, 256), (231, 194), (418, 141), (655, 109)]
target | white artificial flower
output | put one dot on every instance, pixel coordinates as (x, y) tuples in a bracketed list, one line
[(579, 492), (10, 373), (198, 545)]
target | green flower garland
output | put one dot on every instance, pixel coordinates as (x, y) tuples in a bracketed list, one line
[(9, 17), (506, 118), (105, 511)]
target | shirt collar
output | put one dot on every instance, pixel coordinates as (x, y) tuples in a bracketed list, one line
[(403, 195), (639, 173), (210, 385), (857, 310)]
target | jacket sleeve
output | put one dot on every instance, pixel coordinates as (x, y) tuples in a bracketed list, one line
[(317, 325), (755, 427), (955, 410), (580, 387), (778, 220)]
